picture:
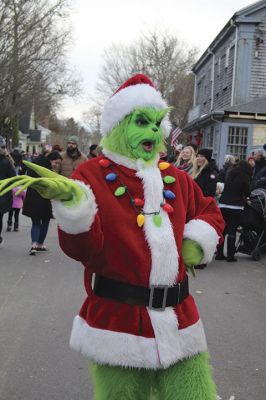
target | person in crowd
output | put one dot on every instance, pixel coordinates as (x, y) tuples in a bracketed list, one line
[(37, 208), (28, 156), (16, 207), (55, 160), (251, 161), (57, 147), (92, 151), (186, 160), (219, 191), (260, 181), (206, 177), (72, 157), (260, 163), (174, 153), (17, 157), (7, 170), (229, 163), (204, 174), (232, 202)]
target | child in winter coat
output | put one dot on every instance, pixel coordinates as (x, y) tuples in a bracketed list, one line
[(16, 207)]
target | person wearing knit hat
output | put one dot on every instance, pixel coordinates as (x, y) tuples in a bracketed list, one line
[(206, 178), (207, 153), (72, 157), (93, 149), (203, 173), (137, 224), (73, 139)]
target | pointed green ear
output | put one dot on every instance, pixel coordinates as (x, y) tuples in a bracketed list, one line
[(41, 171), (162, 113)]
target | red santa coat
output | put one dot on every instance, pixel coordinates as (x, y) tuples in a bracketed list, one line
[(102, 233)]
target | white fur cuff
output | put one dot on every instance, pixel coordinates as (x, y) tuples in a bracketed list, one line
[(79, 218), (205, 235)]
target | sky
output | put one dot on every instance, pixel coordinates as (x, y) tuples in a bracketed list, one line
[(97, 24)]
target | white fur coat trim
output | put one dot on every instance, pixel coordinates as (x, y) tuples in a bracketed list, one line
[(205, 235), (126, 350), (126, 100), (79, 218), (164, 262), (161, 240)]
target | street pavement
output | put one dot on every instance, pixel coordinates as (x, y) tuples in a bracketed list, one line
[(40, 295)]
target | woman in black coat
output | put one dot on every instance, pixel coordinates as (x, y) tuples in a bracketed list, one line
[(37, 208), (229, 163), (232, 202), (6, 171), (205, 172)]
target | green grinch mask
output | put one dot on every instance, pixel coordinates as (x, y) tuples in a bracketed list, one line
[(139, 135)]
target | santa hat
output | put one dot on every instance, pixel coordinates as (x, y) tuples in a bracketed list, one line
[(137, 91)]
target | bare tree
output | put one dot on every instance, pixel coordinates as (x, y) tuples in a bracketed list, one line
[(160, 56), (33, 43), (91, 119), (62, 129)]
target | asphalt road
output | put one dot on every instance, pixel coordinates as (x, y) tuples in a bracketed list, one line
[(39, 296)]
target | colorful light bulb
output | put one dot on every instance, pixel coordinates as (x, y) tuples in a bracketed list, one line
[(138, 202), (167, 208), (168, 179), (105, 163), (120, 191), (168, 194), (164, 165), (140, 220), (111, 177)]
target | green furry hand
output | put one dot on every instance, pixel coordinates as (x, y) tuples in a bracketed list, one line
[(50, 185), (192, 254)]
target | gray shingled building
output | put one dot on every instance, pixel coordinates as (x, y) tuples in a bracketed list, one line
[(229, 111)]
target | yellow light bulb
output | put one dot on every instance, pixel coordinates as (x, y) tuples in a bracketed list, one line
[(140, 220), (164, 165)]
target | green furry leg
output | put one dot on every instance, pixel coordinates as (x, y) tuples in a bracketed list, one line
[(190, 379), (117, 383)]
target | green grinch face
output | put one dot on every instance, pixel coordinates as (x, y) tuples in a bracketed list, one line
[(144, 134), (139, 135)]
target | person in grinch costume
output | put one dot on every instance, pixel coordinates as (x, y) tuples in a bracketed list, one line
[(136, 224)]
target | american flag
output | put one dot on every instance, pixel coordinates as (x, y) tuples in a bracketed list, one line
[(175, 134)]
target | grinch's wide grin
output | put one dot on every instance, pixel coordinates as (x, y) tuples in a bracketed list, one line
[(147, 145)]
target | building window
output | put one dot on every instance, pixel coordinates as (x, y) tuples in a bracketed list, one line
[(237, 142)]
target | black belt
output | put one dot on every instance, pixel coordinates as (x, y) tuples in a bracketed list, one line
[(157, 297)]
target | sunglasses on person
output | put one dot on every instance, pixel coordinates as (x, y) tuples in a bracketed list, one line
[(2, 147)]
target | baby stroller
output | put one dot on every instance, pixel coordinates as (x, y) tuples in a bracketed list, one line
[(252, 239)]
